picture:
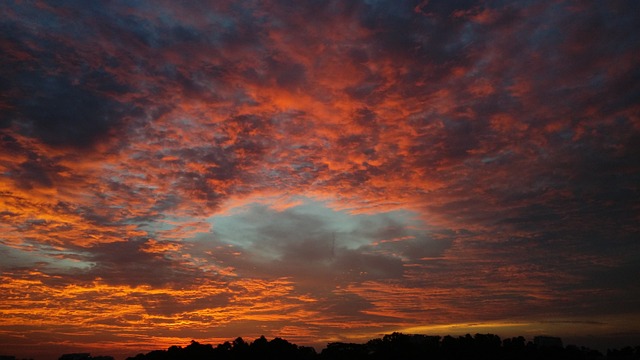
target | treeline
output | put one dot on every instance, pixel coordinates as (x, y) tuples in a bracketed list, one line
[(393, 346)]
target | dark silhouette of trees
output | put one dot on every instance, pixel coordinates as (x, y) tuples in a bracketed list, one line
[(393, 346), (626, 353), (261, 348), (344, 351), (83, 356)]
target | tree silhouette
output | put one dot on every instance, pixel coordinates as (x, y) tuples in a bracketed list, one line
[(391, 346)]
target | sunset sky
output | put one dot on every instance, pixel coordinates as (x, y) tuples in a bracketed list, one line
[(317, 170)]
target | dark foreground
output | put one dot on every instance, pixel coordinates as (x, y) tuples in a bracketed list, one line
[(393, 346)]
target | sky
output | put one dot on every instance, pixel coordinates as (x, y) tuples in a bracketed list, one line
[(318, 170)]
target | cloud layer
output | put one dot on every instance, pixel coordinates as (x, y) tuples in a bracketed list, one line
[(315, 171)]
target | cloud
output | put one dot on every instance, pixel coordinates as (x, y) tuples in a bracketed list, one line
[(64, 114), (473, 161), (308, 242), (116, 263)]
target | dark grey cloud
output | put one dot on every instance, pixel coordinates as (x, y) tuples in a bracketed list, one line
[(36, 172), (61, 113), (347, 305), (167, 305), (309, 246), (127, 263), (55, 91)]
